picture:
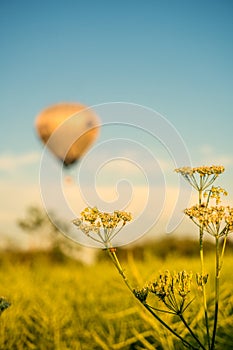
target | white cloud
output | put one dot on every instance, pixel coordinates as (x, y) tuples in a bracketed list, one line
[(9, 162)]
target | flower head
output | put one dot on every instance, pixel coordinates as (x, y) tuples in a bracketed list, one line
[(101, 226), (202, 170), (201, 177), (215, 193), (216, 220), (172, 289)]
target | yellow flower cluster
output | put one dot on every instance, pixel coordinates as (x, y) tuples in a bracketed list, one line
[(216, 220), (171, 289), (201, 177), (183, 283), (202, 170), (168, 284), (229, 219), (105, 220), (104, 225), (163, 286), (215, 193), (209, 170)]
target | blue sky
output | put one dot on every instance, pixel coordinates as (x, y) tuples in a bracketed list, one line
[(172, 56)]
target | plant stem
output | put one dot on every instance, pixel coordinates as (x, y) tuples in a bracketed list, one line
[(203, 272), (203, 288), (116, 262), (186, 343), (190, 331), (217, 276), (223, 250)]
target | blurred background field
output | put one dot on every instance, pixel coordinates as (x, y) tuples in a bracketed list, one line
[(60, 303)]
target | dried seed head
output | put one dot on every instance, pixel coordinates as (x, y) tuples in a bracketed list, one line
[(141, 294), (201, 280)]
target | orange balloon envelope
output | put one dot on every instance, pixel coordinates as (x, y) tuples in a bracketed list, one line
[(68, 130)]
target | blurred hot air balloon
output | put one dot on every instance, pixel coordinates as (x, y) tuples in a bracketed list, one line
[(68, 130)]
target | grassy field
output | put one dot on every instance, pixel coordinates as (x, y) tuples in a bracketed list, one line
[(58, 303)]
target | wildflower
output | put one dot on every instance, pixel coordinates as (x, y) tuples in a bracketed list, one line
[(183, 283), (202, 170), (102, 227), (215, 193), (163, 286), (201, 177), (172, 289), (216, 220)]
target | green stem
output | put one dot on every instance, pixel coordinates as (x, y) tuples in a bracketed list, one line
[(186, 343), (116, 262), (223, 250), (203, 272), (190, 331), (217, 276), (203, 288)]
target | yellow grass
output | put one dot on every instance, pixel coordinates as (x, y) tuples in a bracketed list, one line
[(61, 304)]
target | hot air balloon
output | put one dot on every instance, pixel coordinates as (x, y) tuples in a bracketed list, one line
[(68, 130)]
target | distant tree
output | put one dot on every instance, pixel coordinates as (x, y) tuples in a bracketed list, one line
[(45, 232)]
